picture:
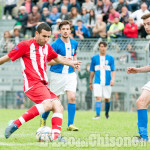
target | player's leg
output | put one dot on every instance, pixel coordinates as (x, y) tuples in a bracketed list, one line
[(71, 110), (142, 104), (98, 95), (107, 94)]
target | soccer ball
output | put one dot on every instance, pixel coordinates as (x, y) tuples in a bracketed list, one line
[(44, 134)]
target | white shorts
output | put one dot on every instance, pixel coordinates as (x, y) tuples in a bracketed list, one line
[(146, 86), (59, 83), (102, 91)]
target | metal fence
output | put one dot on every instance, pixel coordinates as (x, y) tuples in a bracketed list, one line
[(127, 52)]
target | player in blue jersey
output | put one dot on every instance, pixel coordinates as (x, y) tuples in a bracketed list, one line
[(103, 69), (63, 78), (144, 100)]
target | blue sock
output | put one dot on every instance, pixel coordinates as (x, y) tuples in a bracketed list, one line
[(71, 113), (142, 123), (45, 115), (98, 108), (107, 107)]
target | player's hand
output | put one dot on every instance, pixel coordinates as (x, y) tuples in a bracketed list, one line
[(112, 82), (132, 70), (76, 64), (91, 87), (78, 67)]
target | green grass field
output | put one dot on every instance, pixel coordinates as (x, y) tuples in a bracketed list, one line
[(93, 134)]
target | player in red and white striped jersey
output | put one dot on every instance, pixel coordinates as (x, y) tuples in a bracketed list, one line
[(33, 55)]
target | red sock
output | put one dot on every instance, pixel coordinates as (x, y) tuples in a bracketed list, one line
[(56, 124), (30, 114)]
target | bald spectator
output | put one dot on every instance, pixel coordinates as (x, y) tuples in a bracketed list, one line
[(64, 13), (99, 29), (28, 5), (137, 19), (115, 30), (88, 5), (33, 20), (131, 29)]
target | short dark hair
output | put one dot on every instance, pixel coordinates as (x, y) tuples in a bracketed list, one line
[(43, 26), (145, 16), (102, 42), (65, 22)]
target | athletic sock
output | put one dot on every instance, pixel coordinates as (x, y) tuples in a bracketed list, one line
[(45, 115), (56, 124), (98, 108), (71, 113), (30, 114), (142, 123), (107, 107)]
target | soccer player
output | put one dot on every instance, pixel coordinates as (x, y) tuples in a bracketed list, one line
[(63, 78), (144, 99), (33, 55), (103, 68)]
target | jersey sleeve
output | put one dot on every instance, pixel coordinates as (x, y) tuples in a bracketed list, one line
[(112, 64), (54, 46), (92, 66), (51, 54), (18, 51), (75, 51)]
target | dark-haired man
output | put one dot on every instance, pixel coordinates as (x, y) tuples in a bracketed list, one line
[(33, 55), (63, 78), (103, 68)]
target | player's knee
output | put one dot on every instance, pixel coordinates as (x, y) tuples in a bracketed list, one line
[(141, 103), (71, 99), (57, 107)]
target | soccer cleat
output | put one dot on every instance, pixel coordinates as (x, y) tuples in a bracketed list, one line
[(42, 122), (72, 128), (10, 129), (138, 139), (96, 117), (106, 115)]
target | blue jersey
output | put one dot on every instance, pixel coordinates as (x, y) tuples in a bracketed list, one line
[(67, 50), (102, 66)]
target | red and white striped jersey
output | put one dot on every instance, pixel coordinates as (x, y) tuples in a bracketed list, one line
[(33, 59)]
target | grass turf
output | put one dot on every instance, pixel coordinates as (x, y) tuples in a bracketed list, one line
[(92, 134)]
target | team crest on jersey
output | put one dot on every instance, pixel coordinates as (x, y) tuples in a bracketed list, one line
[(106, 62), (68, 48)]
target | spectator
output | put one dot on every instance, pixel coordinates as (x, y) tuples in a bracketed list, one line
[(72, 35), (120, 5), (107, 5), (112, 14), (16, 36), (88, 5), (49, 4), (53, 16), (33, 20), (9, 5), (5, 43), (137, 19), (21, 18), (28, 5), (91, 21), (45, 15), (55, 29), (88, 94), (64, 13), (75, 3), (74, 15), (125, 15), (99, 7), (132, 5), (81, 31), (84, 16), (65, 3), (115, 30), (20, 100), (131, 29), (99, 29)]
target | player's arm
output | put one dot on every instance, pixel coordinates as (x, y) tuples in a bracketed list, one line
[(92, 73), (75, 59), (64, 61), (113, 73), (4, 59), (52, 62), (138, 70)]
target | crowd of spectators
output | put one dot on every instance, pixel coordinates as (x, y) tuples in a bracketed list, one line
[(89, 18)]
